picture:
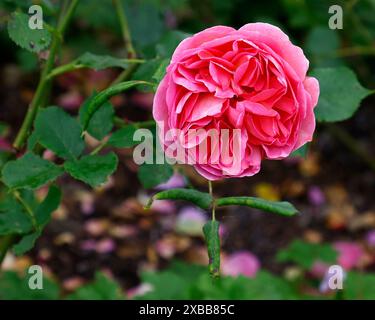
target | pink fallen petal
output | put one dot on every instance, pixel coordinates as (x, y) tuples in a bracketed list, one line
[(190, 221), (240, 263), (176, 181), (87, 202), (222, 231), (105, 246), (73, 283), (350, 254), (319, 269), (370, 238), (166, 249), (70, 100), (140, 290), (88, 245), (164, 206), (96, 227), (316, 196)]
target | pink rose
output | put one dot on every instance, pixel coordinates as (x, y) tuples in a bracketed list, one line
[(251, 82)]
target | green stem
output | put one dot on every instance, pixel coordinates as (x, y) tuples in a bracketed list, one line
[(131, 53), (39, 97), (126, 74), (125, 29), (76, 66), (44, 82), (210, 191), (140, 125), (106, 94), (99, 148)]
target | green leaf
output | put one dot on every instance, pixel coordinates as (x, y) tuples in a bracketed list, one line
[(48, 206), (264, 286), (305, 254), (151, 175), (103, 288), (123, 138), (301, 151), (42, 215), (92, 169), (186, 281), (200, 199), (174, 283), (4, 158), (146, 22), (13, 217), (340, 94), (26, 243), (321, 45), (59, 132), (99, 62), (151, 71), (280, 207), (359, 286), (165, 286), (14, 287), (169, 42), (29, 171), (101, 123), (160, 71), (32, 141), (104, 96), (26, 60), (93, 61), (211, 234), (33, 40)]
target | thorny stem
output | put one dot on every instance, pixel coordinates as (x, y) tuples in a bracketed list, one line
[(132, 54), (125, 29), (99, 148), (76, 66), (141, 125), (210, 190), (39, 98), (44, 82)]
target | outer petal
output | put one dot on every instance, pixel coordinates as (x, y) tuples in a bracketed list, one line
[(160, 108), (275, 38), (312, 87), (200, 38)]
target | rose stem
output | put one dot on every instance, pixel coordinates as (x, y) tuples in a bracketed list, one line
[(210, 190), (131, 53), (63, 21), (44, 82)]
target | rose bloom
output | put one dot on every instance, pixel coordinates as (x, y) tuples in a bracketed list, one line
[(250, 81)]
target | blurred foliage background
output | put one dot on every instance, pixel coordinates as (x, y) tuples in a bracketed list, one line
[(101, 244)]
